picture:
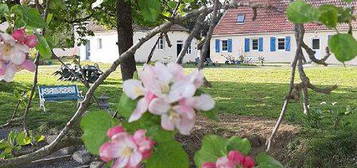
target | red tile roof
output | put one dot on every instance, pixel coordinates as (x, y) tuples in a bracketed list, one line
[(267, 20)]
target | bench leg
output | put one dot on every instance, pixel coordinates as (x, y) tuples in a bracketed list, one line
[(42, 105)]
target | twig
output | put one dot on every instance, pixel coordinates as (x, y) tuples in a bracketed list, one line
[(189, 39), (153, 49), (311, 53), (33, 89), (299, 38)]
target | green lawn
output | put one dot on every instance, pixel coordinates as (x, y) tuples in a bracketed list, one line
[(241, 91)]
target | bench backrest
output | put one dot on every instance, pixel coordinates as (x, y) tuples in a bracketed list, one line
[(56, 93)]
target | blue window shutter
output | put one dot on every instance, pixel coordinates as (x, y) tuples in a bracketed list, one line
[(229, 43), (246, 44), (273, 44), (287, 43), (261, 44), (218, 45)]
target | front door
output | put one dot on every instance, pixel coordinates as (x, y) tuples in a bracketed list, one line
[(316, 46), (179, 47), (88, 50)]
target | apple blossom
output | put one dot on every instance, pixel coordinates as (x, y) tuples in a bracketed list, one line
[(235, 159), (126, 151), (14, 50), (168, 92)]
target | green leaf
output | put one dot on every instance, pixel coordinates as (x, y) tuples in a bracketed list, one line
[(22, 139), (126, 106), (265, 161), (43, 47), (169, 153), (188, 1), (95, 126), (57, 4), (300, 12), (3, 9), (149, 10), (328, 15), (343, 46), (40, 138), (213, 147), (172, 4), (240, 144), (30, 16), (49, 18)]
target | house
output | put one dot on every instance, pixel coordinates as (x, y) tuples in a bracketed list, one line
[(102, 46), (270, 35)]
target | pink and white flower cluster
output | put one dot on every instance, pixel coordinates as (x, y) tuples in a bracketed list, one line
[(235, 159), (126, 151), (14, 50), (167, 91)]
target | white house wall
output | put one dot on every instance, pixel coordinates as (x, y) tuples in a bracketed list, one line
[(238, 47), (109, 51)]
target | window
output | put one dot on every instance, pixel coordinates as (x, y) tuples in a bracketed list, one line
[(255, 44), (100, 43), (281, 43), (161, 43), (240, 18), (224, 45), (189, 50), (316, 44)]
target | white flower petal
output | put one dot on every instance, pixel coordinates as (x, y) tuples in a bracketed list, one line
[(166, 123), (181, 89), (159, 106), (204, 102), (133, 88), (141, 108)]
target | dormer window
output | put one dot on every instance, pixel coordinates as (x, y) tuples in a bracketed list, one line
[(240, 18)]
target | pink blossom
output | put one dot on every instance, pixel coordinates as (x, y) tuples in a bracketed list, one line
[(22, 38), (28, 65), (19, 35), (168, 92), (7, 71), (125, 150), (224, 162), (234, 159), (115, 130), (248, 162), (12, 51), (31, 41), (144, 143), (209, 165)]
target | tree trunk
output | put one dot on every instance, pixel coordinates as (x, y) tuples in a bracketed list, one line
[(125, 37)]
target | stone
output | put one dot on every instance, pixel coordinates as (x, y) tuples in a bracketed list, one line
[(96, 164), (82, 157)]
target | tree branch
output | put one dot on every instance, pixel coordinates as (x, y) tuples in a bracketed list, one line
[(299, 39), (188, 41)]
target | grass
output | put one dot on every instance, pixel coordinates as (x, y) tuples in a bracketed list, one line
[(241, 91)]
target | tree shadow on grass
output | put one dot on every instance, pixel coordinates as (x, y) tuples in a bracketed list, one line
[(266, 99), (258, 99)]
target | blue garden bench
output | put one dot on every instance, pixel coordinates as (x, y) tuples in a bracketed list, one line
[(58, 93)]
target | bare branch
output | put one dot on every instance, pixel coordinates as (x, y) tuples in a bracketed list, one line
[(189, 39), (311, 53), (299, 39), (208, 37)]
